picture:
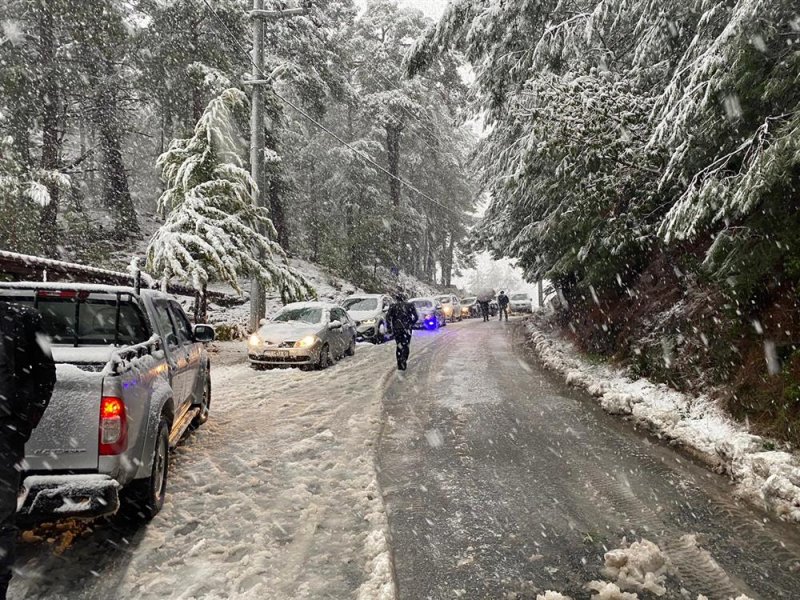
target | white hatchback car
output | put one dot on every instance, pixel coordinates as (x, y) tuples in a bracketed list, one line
[(520, 302)]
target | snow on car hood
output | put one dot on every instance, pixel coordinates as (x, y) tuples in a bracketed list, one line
[(363, 315), (283, 332)]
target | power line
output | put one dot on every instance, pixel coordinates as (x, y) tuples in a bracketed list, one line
[(333, 134)]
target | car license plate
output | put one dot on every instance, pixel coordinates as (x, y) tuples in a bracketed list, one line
[(282, 353)]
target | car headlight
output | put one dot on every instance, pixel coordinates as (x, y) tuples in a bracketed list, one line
[(368, 322), (306, 342), (447, 310), (254, 341)]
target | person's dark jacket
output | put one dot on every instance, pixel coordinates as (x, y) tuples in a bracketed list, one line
[(402, 316), (27, 371), (502, 300)]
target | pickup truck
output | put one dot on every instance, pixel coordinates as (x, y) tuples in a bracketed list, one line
[(132, 375)]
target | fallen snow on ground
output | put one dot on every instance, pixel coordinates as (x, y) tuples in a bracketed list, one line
[(770, 479), (276, 497)]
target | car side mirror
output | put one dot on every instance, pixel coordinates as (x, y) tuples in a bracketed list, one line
[(335, 325), (204, 333), (262, 322)]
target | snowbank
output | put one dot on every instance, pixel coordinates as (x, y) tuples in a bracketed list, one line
[(767, 478), (639, 567)]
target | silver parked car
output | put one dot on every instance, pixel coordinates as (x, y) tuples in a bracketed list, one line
[(451, 306), (303, 334), (369, 313), (520, 302), (431, 314), (469, 307)]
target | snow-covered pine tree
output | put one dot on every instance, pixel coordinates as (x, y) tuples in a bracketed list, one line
[(213, 231)]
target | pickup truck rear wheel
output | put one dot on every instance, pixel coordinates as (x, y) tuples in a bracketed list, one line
[(147, 495)]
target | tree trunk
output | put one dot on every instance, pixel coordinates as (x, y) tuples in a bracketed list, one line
[(49, 96), (201, 305), (447, 263), (277, 213), (393, 157), (116, 193)]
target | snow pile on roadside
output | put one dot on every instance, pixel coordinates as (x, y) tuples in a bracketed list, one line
[(770, 479), (639, 567), (551, 595), (609, 591)]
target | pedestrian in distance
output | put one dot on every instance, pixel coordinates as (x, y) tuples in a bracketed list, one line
[(27, 378), (402, 316), (484, 304), (502, 303)]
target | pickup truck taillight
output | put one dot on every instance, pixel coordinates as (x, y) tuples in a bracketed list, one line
[(113, 426)]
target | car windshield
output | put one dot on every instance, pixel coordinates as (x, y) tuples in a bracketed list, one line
[(444, 299), (303, 315), (519, 297), (422, 303), (360, 304), (470, 300)]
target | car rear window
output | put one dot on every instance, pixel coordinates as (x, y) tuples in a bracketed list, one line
[(92, 321), (422, 303), (444, 299), (519, 297)]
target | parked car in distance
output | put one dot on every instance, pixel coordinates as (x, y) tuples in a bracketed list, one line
[(520, 302), (469, 307), (451, 306), (303, 334), (368, 311), (132, 376), (431, 313)]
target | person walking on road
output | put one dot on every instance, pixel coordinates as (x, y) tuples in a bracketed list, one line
[(484, 304), (402, 316), (27, 378), (502, 303)]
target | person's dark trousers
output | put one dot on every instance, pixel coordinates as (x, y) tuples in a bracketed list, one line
[(485, 311), (11, 454), (503, 311), (403, 339)]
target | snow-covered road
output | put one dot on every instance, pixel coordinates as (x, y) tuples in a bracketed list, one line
[(501, 482), (275, 497)]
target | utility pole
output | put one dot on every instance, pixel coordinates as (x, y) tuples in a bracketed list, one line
[(258, 15)]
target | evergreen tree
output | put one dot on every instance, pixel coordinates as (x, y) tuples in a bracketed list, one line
[(213, 231)]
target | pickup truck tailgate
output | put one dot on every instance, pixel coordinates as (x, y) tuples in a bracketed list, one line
[(67, 436)]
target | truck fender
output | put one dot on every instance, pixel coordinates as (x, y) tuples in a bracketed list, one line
[(161, 403), (199, 384)]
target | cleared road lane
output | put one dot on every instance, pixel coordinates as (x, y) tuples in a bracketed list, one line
[(501, 482)]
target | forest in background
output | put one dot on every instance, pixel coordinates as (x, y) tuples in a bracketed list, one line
[(92, 93), (645, 157)]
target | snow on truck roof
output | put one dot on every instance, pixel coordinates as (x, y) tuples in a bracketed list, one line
[(61, 285), (97, 288)]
